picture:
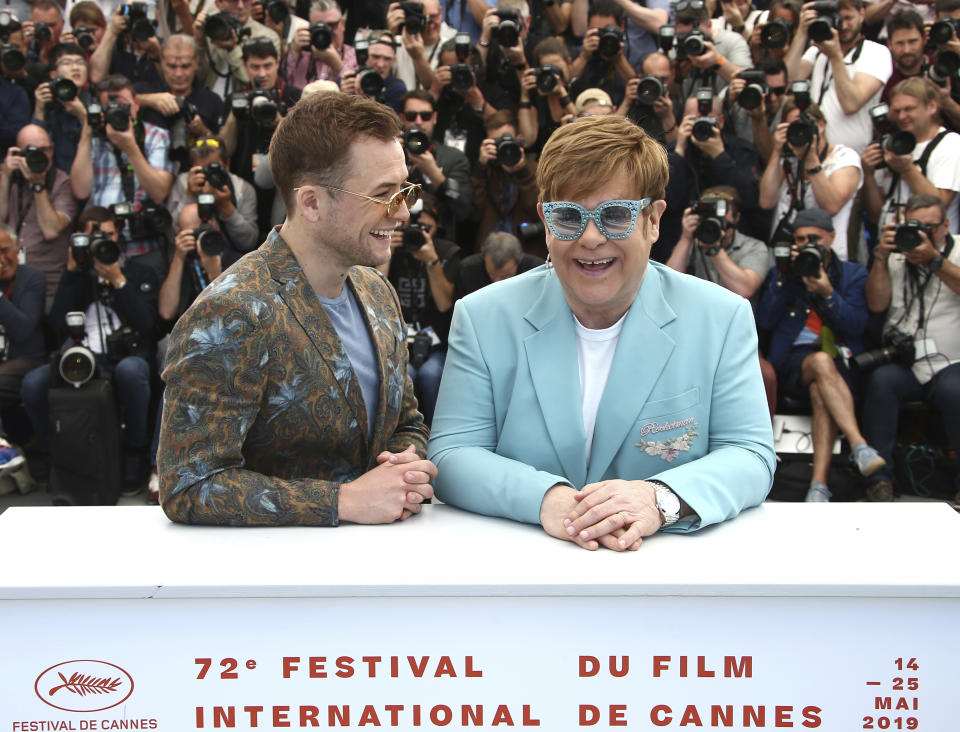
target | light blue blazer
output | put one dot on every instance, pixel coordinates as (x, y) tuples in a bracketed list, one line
[(684, 402)]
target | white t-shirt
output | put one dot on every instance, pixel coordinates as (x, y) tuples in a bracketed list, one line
[(941, 315), (595, 349), (840, 157), (943, 171), (853, 130), (100, 321), (403, 67)]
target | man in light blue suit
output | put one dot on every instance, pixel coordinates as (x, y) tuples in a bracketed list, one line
[(604, 396)]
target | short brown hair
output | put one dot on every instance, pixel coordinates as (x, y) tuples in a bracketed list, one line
[(312, 142), (500, 118), (585, 154), (87, 13)]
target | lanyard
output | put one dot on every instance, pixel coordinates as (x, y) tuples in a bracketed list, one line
[(828, 71)]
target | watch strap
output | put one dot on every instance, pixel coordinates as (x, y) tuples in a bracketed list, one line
[(663, 491), (937, 262)]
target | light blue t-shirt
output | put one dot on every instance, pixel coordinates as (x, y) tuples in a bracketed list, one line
[(344, 313)]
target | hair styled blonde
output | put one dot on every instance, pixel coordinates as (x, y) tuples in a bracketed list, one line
[(584, 155)]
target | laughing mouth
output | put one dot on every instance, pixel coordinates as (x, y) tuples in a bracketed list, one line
[(381, 233), (594, 264)]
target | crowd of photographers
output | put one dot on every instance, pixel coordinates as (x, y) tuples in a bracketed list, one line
[(814, 165)]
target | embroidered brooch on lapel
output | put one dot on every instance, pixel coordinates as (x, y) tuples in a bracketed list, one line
[(668, 450)]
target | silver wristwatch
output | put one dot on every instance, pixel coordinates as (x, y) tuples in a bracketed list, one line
[(668, 503)]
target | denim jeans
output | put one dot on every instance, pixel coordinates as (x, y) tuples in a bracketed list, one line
[(888, 387), (426, 383)]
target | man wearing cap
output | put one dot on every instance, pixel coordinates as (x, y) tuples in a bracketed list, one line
[(817, 312), (592, 102)]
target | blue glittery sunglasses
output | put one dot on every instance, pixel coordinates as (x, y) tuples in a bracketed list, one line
[(615, 219)]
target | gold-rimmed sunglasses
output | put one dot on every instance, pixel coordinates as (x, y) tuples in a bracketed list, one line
[(409, 194)]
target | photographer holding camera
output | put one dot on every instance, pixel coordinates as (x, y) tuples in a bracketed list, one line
[(123, 161), (376, 80), (422, 267), (197, 261), (42, 31), (806, 170), (59, 102), (651, 101), (915, 280), (21, 336), (544, 101), (256, 110), (421, 35), (773, 30), (36, 202), (931, 166), (220, 35), (504, 181), (318, 51), (461, 106), (119, 298), (719, 158), (129, 46), (817, 312), (846, 71), (442, 170), (705, 58), (755, 115), (502, 49), (234, 199), (179, 99), (711, 248), (602, 62)]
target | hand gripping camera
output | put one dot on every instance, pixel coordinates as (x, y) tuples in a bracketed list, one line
[(809, 259), (899, 142), (713, 219), (704, 125), (96, 245), (803, 129), (756, 88)]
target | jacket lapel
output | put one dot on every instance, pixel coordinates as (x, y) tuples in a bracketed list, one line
[(555, 373), (642, 353), (301, 299)]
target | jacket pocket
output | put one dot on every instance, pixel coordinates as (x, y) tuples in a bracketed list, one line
[(660, 407)]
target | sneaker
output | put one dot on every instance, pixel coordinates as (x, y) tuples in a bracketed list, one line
[(22, 479), (818, 492), (881, 491), (153, 488), (10, 457), (867, 460)]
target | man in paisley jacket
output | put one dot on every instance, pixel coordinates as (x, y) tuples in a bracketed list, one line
[(287, 398)]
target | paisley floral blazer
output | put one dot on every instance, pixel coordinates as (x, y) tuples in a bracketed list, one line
[(263, 416)]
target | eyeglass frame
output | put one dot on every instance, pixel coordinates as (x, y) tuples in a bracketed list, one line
[(635, 207), (399, 197), (420, 114)]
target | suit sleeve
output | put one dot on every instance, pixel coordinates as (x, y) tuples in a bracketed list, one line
[(215, 381), (737, 471), (471, 474)]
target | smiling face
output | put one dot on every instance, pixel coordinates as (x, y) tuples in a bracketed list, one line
[(357, 231), (601, 276)]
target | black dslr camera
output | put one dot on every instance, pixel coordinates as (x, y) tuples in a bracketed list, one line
[(63, 89), (650, 89), (11, 56), (217, 176), (278, 10), (776, 34), (321, 36), (210, 240), (898, 348), (507, 32), (909, 235), (41, 32), (84, 36), (899, 142), (93, 246), (115, 114), (509, 152), (416, 141), (611, 41), (413, 237), (803, 129), (461, 73), (547, 78), (220, 26), (828, 18), (414, 17), (943, 30), (369, 81), (150, 222), (35, 158), (704, 125), (809, 259), (693, 43), (186, 111), (143, 19), (259, 105), (125, 342), (755, 90), (713, 219), (945, 66)]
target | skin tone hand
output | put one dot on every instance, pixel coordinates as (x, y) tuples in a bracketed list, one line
[(591, 42), (689, 222), (419, 472), (886, 247), (924, 253), (819, 285), (611, 505), (124, 141), (684, 131), (711, 147), (110, 272)]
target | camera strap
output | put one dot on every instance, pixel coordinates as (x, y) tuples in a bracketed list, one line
[(127, 178), (828, 71)]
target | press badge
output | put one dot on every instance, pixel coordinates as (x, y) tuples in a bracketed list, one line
[(924, 348), (456, 139)]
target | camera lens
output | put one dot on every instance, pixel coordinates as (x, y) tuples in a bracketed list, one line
[(901, 143), (63, 89), (820, 30), (218, 28), (77, 365), (751, 96), (703, 129), (321, 36), (371, 84), (416, 141), (799, 133), (546, 80), (509, 151), (508, 34), (693, 46), (649, 89), (210, 241), (775, 34), (461, 77), (941, 32)]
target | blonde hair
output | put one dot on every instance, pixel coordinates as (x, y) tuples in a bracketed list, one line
[(918, 87), (586, 154)]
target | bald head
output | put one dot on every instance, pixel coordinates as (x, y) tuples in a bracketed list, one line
[(33, 135)]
